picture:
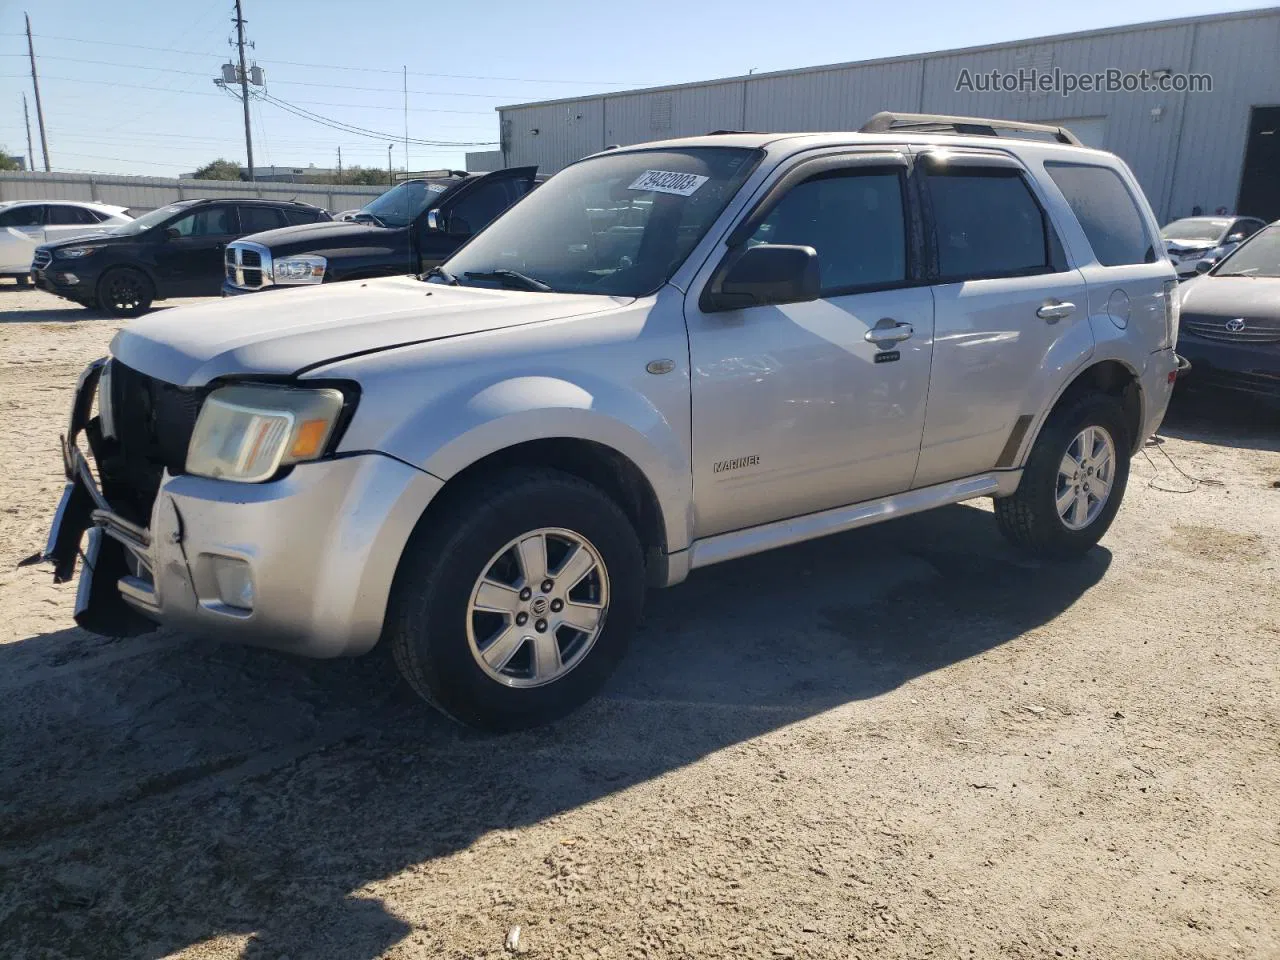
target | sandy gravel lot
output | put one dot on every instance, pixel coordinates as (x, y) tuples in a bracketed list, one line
[(902, 742)]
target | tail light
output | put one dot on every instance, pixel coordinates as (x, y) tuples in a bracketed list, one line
[(1172, 306)]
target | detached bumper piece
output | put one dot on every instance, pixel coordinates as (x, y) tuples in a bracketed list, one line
[(115, 549)]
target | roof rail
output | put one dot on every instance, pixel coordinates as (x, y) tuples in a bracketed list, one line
[(886, 120)]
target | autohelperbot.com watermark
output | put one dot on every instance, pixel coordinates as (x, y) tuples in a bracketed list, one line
[(1065, 83)]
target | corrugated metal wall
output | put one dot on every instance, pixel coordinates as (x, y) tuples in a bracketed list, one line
[(147, 193), (1185, 148)]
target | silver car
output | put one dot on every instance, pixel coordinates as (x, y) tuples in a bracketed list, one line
[(671, 355)]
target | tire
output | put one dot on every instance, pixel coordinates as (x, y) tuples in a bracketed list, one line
[(439, 639), (23, 281), (1031, 519), (125, 292)]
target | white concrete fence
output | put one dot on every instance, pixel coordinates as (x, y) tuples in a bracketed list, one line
[(146, 193)]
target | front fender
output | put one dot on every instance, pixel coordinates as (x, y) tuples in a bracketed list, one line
[(489, 417)]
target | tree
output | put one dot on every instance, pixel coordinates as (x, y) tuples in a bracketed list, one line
[(8, 162), (220, 170)]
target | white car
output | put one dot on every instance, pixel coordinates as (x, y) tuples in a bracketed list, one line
[(1194, 239), (25, 224)]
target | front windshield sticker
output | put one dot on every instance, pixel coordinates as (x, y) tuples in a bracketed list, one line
[(664, 181), (437, 187)]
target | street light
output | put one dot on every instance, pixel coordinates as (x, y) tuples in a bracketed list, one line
[(390, 178)]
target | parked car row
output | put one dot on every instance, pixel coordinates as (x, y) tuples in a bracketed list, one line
[(1197, 243), (25, 225)]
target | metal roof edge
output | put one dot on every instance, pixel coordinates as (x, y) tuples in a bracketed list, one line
[(907, 58)]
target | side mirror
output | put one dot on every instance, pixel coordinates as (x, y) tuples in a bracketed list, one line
[(764, 274), (437, 222), (1235, 238), (1204, 266), (172, 233)]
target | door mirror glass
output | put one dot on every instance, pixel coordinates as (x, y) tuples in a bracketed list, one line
[(766, 274), (1204, 266), (437, 222), (1235, 238)]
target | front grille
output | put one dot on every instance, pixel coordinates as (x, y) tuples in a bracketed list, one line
[(153, 420), (41, 260), (248, 266), (1247, 329)]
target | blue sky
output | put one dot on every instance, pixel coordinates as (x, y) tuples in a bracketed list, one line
[(128, 86)]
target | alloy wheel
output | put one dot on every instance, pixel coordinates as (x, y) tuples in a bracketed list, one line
[(538, 607), (1085, 477)]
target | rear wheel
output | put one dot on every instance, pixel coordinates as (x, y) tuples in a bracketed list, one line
[(22, 280), (512, 608), (1073, 482), (125, 292)]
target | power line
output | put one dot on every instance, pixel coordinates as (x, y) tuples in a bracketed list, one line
[(361, 131), (332, 66)]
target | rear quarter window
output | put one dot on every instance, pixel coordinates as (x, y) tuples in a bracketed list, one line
[(294, 217), (1107, 211)]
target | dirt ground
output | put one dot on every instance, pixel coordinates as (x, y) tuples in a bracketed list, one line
[(902, 742)]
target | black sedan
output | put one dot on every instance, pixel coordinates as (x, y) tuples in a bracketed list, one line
[(175, 251), (1230, 328)]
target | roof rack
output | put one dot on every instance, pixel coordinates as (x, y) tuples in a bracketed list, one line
[(885, 121)]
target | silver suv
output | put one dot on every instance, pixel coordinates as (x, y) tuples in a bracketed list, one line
[(670, 355)]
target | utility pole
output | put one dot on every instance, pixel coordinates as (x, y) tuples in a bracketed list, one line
[(31, 158), (244, 87), (390, 179), (35, 82), (339, 164), (406, 119)]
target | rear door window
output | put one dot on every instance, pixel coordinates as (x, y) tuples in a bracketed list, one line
[(294, 216), (988, 224), (255, 219), (1107, 211), (63, 214)]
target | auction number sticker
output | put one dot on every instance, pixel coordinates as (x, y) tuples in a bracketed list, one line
[(665, 181)]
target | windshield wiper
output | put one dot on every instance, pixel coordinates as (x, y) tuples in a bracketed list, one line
[(443, 274), (525, 282)]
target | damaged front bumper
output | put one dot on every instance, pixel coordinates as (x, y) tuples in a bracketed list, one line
[(303, 563)]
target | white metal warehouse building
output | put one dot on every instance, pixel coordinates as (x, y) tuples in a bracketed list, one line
[(1187, 149)]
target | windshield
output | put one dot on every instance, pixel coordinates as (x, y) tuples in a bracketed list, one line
[(148, 220), (1209, 229), (618, 224), (400, 205), (1260, 257)]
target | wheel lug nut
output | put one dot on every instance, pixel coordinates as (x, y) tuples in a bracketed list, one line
[(521, 619), (557, 606), (540, 626), (526, 593), (547, 586)]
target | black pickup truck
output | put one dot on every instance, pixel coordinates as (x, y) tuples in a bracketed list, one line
[(411, 228)]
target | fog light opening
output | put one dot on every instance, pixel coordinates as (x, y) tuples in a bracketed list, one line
[(235, 582)]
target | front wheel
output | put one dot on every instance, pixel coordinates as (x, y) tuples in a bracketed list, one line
[(512, 608), (125, 292), (1073, 482)]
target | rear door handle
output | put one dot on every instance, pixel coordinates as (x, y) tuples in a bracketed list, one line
[(889, 330), (1056, 310)]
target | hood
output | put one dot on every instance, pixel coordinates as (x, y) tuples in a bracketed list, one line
[(1229, 297), (317, 236), (98, 234), (281, 332), (1178, 246)]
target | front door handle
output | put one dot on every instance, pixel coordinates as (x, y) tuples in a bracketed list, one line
[(889, 330), (1055, 310)]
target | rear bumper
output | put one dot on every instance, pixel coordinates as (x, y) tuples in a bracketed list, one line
[(1252, 368), (1157, 387), (320, 546)]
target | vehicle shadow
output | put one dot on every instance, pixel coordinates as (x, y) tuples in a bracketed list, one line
[(1217, 417), (205, 791)]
